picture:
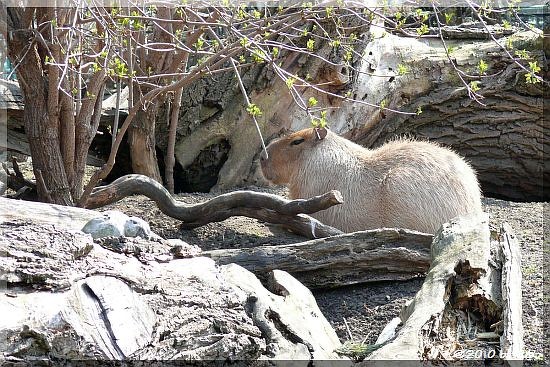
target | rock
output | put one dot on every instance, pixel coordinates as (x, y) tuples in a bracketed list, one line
[(114, 224)]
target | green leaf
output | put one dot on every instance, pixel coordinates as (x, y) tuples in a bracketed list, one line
[(310, 43), (253, 110), (402, 69), (422, 30), (290, 82), (482, 66), (312, 102)]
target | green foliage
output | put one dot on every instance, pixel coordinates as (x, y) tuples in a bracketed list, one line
[(348, 55), (275, 52), (522, 54), (356, 350), (451, 49), (482, 66), (256, 14), (320, 122), (258, 55), (422, 15), (531, 77), (506, 24), (253, 110), (244, 42), (474, 86), (383, 104), (449, 17), (419, 110), (335, 43), (117, 67), (312, 102), (199, 44), (290, 82), (422, 30), (402, 69), (310, 44)]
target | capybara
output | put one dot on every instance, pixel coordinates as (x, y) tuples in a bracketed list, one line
[(402, 184)]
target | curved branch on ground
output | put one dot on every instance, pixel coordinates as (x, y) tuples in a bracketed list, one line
[(263, 206)]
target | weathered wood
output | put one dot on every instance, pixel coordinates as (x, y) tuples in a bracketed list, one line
[(267, 207), (511, 340), (464, 299), (503, 139), (463, 243), (18, 142), (71, 299), (366, 256), (474, 31), (63, 216)]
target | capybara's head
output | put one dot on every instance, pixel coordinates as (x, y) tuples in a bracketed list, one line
[(285, 154)]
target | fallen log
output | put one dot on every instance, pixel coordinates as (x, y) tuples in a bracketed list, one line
[(263, 206), (68, 298), (470, 299), (365, 256), (63, 216)]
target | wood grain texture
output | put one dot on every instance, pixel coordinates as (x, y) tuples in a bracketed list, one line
[(366, 256)]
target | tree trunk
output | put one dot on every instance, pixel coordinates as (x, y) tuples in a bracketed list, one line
[(504, 139), (41, 129), (141, 139)]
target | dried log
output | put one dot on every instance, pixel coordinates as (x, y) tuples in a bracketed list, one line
[(18, 142), (263, 206), (366, 256), (511, 340), (465, 300), (71, 299), (25, 189), (63, 216)]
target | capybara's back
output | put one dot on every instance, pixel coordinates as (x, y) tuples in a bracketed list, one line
[(402, 184)]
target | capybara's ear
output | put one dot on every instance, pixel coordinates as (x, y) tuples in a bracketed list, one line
[(321, 133)]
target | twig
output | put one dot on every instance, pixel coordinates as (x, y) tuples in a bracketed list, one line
[(243, 90)]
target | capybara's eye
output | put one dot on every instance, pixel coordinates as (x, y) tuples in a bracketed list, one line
[(297, 141)]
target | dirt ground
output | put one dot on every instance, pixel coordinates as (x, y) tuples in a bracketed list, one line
[(360, 312)]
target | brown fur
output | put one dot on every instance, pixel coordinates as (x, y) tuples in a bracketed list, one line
[(404, 184)]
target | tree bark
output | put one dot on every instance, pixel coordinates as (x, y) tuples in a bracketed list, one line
[(141, 139), (360, 257), (42, 129), (471, 297)]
